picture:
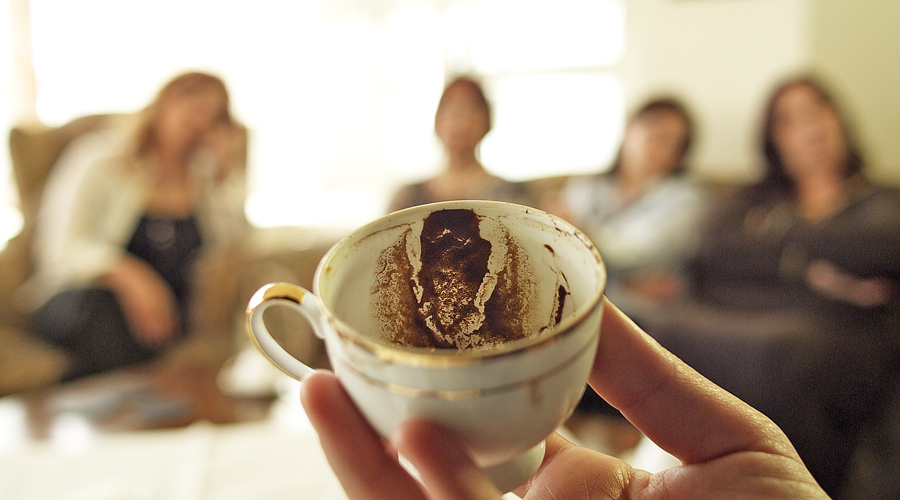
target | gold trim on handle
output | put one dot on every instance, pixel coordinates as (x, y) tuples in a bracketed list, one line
[(285, 291), (272, 291)]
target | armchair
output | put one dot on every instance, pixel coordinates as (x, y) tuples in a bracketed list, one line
[(223, 284)]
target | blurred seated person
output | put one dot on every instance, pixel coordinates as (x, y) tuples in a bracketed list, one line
[(462, 120), (795, 308), (643, 214), (120, 230)]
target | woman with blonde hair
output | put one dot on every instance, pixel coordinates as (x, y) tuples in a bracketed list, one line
[(116, 248)]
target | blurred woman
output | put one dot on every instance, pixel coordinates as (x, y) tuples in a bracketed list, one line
[(798, 286), (462, 120), (814, 228), (114, 270), (644, 213)]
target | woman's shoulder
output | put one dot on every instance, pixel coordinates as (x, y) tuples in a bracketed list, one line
[(881, 191), (115, 168), (879, 199), (409, 195), (510, 191)]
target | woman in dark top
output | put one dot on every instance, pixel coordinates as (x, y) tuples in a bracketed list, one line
[(116, 249), (796, 301)]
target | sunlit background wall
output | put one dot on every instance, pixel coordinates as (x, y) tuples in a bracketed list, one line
[(10, 218), (340, 96)]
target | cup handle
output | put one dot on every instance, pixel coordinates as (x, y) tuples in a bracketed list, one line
[(284, 295)]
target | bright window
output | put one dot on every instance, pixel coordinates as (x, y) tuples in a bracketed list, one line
[(340, 96), (10, 217)]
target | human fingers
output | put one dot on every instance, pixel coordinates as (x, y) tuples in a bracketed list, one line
[(731, 451), (224, 142), (354, 450), (672, 404), (442, 463), (567, 471), (571, 472)]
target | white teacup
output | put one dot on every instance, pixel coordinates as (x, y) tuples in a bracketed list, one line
[(502, 397)]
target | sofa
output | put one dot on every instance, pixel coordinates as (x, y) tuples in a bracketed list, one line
[(224, 282)]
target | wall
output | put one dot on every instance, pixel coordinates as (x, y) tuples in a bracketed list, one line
[(856, 47), (722, 57)]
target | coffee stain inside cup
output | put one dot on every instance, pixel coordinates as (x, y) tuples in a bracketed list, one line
[(458, 280)]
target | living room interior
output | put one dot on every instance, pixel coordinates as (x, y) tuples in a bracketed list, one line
[(338, 99)]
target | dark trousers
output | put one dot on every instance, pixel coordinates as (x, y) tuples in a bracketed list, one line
[(819, 379), (90, 325)]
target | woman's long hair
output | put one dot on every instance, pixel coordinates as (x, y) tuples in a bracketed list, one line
[(185, 84)]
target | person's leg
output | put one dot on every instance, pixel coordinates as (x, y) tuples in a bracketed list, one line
[(771, 361), (849, 378), (89, 324)]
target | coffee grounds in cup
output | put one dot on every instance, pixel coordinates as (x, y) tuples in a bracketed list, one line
[(450, 287)]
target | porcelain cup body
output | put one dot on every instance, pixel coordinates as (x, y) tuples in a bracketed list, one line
[(502, 401)]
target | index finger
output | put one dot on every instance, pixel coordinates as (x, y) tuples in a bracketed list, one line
[(672, 404)]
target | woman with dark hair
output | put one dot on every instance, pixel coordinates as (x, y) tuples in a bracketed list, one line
[(462, 120), (117, 241), (814, 228), (643, 213), (798, 286)]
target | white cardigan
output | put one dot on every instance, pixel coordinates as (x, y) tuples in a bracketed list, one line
[(93, 202)]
